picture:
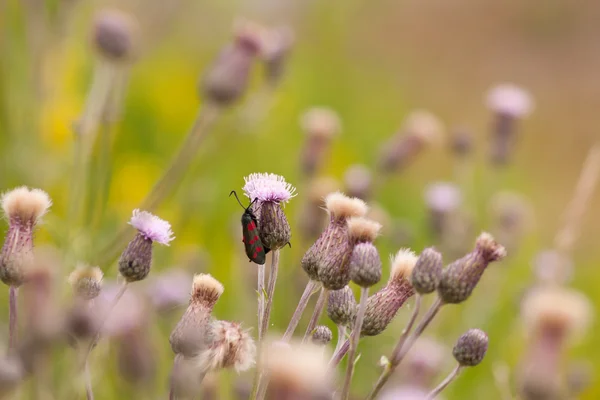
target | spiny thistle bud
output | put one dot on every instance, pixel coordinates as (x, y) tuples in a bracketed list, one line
[(86, 281), (114, 35), (470, 348), (320, 125), (298, 371), (421, 129), (341, 307), (383, 306), (227, 79), (426, 274), (23, 207), (322, 335), (329, 256), (188, 337), (442, 200), (271, 191), (460, 277), (509, 103), (358, 180), (276, 48), (365, 263), (229, 346), (136, 259), (311, 219)]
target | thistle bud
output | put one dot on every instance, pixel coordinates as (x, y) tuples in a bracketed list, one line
[(322, 335), (365, 264), (426, 274), (188, 337), (383, 306), (341, 307), (114, 35), (470, 348), (320, 125), (229, 346), (327, 260), (86, 281), (227, 79), (136, 259), (271, 191), (23, 207), (509, 103), (277, 45), (460, 277), (358, 180), (421, 130)]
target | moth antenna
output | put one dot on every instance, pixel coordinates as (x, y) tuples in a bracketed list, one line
[(237, 198)]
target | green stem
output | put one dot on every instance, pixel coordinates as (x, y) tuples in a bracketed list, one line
[(451, 377), (354, 338)]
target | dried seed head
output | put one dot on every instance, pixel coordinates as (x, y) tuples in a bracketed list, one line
[(321, 122), (86, 281), (427, 272), (276, 48), (470, 348), (297, 371), (341, 307), (206, 290), (560, 312), (403, 264), (322, 335), (23, 208), (361, 229), (365, 265), (460, 277), (229, 347), (339, 206), (509, 99), (358, 181), (553, 267), (114, 35)]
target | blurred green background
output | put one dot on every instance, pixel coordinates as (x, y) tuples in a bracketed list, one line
[(372, 62)]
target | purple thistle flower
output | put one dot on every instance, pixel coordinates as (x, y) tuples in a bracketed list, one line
[(510, 99), (268, 188), (151, 227)]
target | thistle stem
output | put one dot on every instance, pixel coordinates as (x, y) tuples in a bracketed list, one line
[(341, 337), (399, 353), (12, 321), (89, 393), (339, 355), (316, 313), (409, 326), (308, 292), (260, 288), (451, 377), (270, 291), (354, 338)]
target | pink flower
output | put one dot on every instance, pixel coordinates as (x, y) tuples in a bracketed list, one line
[(510, 99), (152, 227), (268, 187)]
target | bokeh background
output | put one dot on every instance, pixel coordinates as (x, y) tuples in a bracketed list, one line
[(370, 61)]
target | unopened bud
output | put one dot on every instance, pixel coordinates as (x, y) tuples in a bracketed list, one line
[(460, 277), (114, 35), (470, 348), (426, 274), (341, 307), (365, 264), (322, 335)]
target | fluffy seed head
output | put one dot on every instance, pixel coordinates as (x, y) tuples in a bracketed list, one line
[(86, 281), (341, 307), (25, 205), (230, 347), (470, 348), (490, 249), (365, 265), (322, 335), (555, 310), (320, 122), (443, 197), (268, 187), (341, 206), (206, 290), (424, 125), (402, 264), (114, 34), (361, 229), (510, 99), (152, 227), (427, 272)]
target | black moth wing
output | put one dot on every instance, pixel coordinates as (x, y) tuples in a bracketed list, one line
[(255, 250)]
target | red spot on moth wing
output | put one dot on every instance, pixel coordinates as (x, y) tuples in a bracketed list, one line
[(255, 238), (259, 249), (251, 226), (255, 255)]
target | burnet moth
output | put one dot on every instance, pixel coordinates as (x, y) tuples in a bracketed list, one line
[(255, 250)]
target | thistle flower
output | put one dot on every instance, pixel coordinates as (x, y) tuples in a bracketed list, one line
[(383, 306), (229, 346), (320, 124), (365, 264), (341, 306), (509, 103), (188, 336), (136, 259), (227, 79), (460, 277), (277, 45), (86, 281), (426, 274), (470, 348), (329, 256), (23, 207), (442, 199), (421, 129), (358, 181), (322, 335), (271, 191), (114, 35)]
